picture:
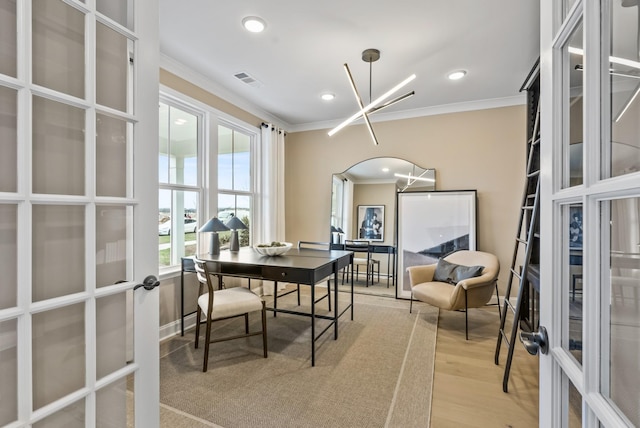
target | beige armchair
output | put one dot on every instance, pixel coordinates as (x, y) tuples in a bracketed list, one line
[(466, 293)]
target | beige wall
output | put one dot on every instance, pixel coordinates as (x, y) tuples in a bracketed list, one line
[(482, 150)]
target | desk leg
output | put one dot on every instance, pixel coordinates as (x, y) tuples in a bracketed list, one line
[(275, 298), (335, 305), (182, 302), (352, 292), (313, 325)]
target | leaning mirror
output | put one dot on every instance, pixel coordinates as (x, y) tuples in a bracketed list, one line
[(363, 206)]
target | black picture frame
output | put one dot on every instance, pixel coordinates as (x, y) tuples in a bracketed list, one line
[(370, 223)]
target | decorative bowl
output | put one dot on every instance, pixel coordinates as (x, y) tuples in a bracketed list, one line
[(273, 248)]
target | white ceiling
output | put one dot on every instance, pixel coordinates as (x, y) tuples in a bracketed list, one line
[(301, 53)]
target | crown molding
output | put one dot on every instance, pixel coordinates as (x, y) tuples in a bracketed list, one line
[(191, 76), (427, 111)]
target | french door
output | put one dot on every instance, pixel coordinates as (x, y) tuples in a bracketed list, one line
[(590, 213), (78, 117)]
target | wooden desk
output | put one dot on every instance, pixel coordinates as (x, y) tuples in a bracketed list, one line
[(298, 266)]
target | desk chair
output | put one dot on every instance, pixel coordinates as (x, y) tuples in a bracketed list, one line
[(362, 257), (223, 304)]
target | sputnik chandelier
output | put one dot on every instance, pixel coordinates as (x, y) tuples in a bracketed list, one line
[(370, 56)]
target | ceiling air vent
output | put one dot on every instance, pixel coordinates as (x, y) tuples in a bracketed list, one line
[(248, 79)]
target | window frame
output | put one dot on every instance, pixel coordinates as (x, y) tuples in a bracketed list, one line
[(199, 188), (208, 165)]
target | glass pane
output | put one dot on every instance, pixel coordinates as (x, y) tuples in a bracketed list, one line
[(241, 162), (8, 372), (9, 259), (624, 307), (71, 416), (238, 206), (111, 244), (58, 353), (178, 226), (163, 137), (114, 407), (234, 160), (178, 157), (111, 156), (225, 158), (8, 40), (121, 11), (8, 137), (58, 146), (573, 96), (575, 407), (622, 153), (58, 251), (112, 68), (58, 47), (114, 335), (572, 314)]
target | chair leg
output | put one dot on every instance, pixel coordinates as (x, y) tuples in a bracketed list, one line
[(264, 329), (198, 320), (206, 343), (246, 323), (466, 317), (298, 294), (411, 303)]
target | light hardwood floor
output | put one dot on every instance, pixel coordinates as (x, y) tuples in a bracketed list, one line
[(467, 389)]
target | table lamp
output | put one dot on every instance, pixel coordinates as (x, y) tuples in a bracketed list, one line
[(235, 224), (214, 225)]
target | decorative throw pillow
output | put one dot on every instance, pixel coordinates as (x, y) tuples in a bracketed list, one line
[(453, 273)]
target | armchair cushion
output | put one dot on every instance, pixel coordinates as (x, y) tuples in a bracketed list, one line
[(453, 273)]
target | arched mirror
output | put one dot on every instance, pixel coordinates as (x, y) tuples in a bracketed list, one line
[(363, 207)]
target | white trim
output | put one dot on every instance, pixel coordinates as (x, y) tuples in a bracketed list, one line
[(422, 112), (171, 65), (172, 329)]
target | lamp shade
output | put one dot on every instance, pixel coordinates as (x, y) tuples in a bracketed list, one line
[(235, 224), (214, 225)]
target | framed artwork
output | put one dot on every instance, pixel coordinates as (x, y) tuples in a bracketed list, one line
[(431, 225), (371, 222)]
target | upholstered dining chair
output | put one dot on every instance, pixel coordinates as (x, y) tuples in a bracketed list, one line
[(362, 257), (222, 304), (459, 281)]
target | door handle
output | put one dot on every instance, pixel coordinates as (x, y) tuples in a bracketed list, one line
[(149, 283), (535, 342)]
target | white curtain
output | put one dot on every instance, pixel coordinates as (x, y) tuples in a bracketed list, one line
[(272, 195), (347, 221)]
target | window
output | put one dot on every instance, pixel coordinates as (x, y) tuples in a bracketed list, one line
[(235, 179), (179, 170)]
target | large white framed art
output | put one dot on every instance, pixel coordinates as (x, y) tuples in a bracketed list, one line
[(431, 225)]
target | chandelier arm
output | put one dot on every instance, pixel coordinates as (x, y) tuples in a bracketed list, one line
[(393, 101), (361, 104), (372, 104)]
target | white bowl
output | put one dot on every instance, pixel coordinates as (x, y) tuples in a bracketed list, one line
[(272, 251)]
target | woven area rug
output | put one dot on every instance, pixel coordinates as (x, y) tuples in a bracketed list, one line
[(378, 373)]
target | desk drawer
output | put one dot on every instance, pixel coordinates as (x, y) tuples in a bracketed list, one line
[(287, 274)]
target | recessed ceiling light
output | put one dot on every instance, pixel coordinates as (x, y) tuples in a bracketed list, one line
[(385, 169), (254, 24), (459, 74), (327, 96)]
